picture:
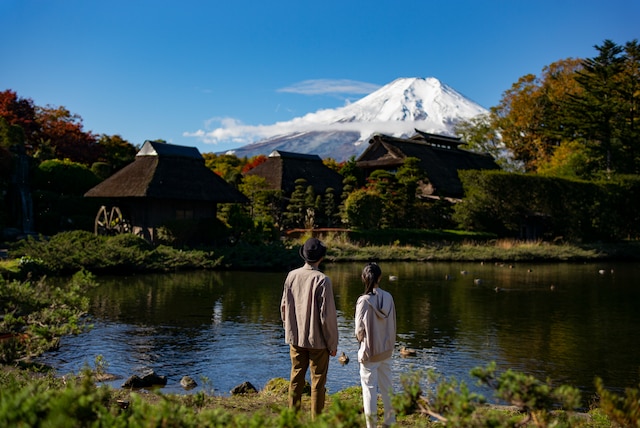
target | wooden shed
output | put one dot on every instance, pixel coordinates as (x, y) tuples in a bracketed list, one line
[(440, 158), (282, 169), (165, 182)]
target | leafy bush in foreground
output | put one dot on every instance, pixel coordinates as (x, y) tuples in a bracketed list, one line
[(535, 399), (34, 315), (38, 401), (624, 410)]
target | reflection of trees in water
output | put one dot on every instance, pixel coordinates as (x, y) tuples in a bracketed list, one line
[(188, 298), (178, 317), (565, 332), (586, 326), (347, 287)]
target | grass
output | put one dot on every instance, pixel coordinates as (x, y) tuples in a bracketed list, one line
[(341, 249), (68, 252), (76, 401)]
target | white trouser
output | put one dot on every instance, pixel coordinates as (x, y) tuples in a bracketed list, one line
[(377, 377)]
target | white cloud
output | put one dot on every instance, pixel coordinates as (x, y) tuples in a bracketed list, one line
[(330, 86), (234, 131), (230, 130)]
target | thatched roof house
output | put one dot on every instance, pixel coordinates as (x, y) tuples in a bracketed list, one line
[(440, 158), (282, 169), (165, 182)]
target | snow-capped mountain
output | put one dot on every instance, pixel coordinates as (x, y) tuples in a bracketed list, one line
[(396, 109)]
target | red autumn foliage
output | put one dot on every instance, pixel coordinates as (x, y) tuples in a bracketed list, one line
[(19, 111), (254, 162), (64, 132), (54, 126)]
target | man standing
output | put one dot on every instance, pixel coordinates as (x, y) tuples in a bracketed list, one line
[(310, 322)]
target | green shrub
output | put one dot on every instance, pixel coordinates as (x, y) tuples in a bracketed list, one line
[(68, 252), (192, 232), (623, 409), (65, 252), (535, 206), (534, 398), (35, 315), (64, 177), (406, 401), (45, 401), (102, 170), (451, 398), (130, 241), (363, 209), (58, 187)]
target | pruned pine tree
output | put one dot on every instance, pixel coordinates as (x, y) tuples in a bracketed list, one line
[(330, 208), (296, 211)]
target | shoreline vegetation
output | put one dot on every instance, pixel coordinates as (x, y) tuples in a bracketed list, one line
[(38, 397), (68, 252), (34, 396)]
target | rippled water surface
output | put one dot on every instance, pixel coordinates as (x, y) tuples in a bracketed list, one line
[(568, 322)]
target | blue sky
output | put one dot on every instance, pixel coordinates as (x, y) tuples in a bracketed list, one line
[(172, 69)]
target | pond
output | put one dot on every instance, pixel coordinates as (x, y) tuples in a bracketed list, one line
[(566, 322)]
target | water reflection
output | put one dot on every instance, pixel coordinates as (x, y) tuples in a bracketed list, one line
[(567, 322)]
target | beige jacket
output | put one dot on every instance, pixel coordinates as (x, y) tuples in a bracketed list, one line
[(308, 310), (375, 323)]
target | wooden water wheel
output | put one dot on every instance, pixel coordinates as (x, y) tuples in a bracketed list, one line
[(110, 222)]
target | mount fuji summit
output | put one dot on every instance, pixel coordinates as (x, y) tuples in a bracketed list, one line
[(397, 109)]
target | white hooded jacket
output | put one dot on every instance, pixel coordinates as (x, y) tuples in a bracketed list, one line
[(375, 326)]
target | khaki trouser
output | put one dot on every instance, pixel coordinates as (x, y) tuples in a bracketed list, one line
[(318, 361)]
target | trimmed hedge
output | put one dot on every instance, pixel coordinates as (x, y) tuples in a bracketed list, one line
[(534, 206)]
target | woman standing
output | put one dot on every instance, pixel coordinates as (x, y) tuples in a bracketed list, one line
[(376, 331)]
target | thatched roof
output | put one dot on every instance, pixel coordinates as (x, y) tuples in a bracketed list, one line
[(167, 171), (440, 158), (282, 169)]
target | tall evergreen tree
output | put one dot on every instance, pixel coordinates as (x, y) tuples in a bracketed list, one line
[(385, 184), (629, 89), (296, 211), (330, 208), (595, 112), (408, 177), (311, 207), (580, 118), (349, 185)]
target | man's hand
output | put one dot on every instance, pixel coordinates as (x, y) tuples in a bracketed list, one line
[(333, 353)]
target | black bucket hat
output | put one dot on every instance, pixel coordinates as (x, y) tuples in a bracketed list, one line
[(312, 250)]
